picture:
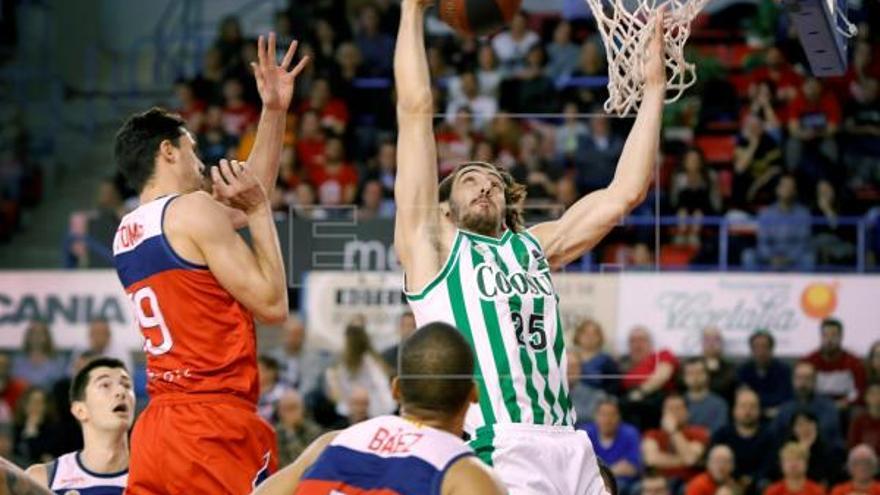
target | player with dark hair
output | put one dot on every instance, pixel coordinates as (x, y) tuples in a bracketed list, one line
[(196, 286), (420, 452), (102, 401), (470, 261)]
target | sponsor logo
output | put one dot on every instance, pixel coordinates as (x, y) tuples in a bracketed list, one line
[(369, 255), (74, 308), (819, 300), (493, 283)]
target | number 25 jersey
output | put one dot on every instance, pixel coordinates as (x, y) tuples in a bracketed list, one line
[(197, 337)]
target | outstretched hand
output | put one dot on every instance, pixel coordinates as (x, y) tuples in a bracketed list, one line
[(275, 83), (655, 65)]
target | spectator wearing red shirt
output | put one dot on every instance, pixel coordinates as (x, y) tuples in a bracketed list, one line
[(456, 141), (813, 121), (648, 374), (237, 113), (310, 142), (676, 448), (11, 388), (862, 466), (336, 181), (839, 374), (648, 370), (332, 112), (780, 74), (794, 458), (719, 473), (189, 106), (865, 427)]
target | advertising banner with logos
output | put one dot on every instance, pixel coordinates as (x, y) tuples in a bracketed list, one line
[(67, 300), (676, 307)]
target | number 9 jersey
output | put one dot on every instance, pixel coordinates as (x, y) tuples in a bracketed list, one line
[(197, 337)]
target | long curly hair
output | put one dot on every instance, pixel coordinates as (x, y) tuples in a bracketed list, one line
[(514, 192)]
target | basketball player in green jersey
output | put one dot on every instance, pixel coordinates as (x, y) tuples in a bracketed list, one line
[(472, 264)]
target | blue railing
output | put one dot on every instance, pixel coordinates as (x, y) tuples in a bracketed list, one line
[(724, 225)]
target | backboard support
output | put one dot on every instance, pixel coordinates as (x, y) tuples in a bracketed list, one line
[(824, 43)]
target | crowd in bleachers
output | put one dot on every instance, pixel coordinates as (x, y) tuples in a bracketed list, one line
[(21, 173), (789, 160), (759, 425)]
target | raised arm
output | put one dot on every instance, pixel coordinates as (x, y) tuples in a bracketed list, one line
[(275, 83), (587, 221), (253, 275), (415, 189)]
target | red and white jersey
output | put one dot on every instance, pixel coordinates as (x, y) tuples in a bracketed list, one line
[(197, 337)]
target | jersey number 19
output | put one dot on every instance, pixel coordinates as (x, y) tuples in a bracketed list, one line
[(150, 321)]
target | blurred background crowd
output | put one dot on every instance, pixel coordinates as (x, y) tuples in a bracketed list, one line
[(781, 168), (703, 423)]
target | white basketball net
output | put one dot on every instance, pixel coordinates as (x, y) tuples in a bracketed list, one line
[(627, 33)]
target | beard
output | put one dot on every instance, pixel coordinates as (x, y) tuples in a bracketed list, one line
[(479, 221)]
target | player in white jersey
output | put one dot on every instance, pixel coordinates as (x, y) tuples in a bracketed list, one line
[(102, 400), (419, 453), (475, 266)]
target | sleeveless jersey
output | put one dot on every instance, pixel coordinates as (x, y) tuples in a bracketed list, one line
[(387, 455), (197, 337), (68, 476), (498, 293)]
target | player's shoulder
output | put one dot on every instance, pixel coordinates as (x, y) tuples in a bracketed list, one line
[(39, 473), (196, 200), (195, 211), (470, 475)]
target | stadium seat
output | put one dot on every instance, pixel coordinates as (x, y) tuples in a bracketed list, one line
[(677, 256), (718, 150)]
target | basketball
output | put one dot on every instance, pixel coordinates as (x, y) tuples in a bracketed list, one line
[(477, 17)]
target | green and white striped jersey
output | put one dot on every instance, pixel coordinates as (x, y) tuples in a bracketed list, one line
[(499, 294)]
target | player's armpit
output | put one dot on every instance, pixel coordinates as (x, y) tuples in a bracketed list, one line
[(468, 476), (203, 222), (285, 481), (581, 227)]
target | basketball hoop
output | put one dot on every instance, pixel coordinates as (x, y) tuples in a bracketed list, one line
[(627, 32)]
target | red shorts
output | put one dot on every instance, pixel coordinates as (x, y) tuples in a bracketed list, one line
[(213, 444)]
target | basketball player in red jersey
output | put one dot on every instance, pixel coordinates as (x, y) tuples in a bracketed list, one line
[(196, 286)]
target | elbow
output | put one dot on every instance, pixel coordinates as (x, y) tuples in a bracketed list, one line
[(274, 313), (635, 198), (629, 196), (417, 104)]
